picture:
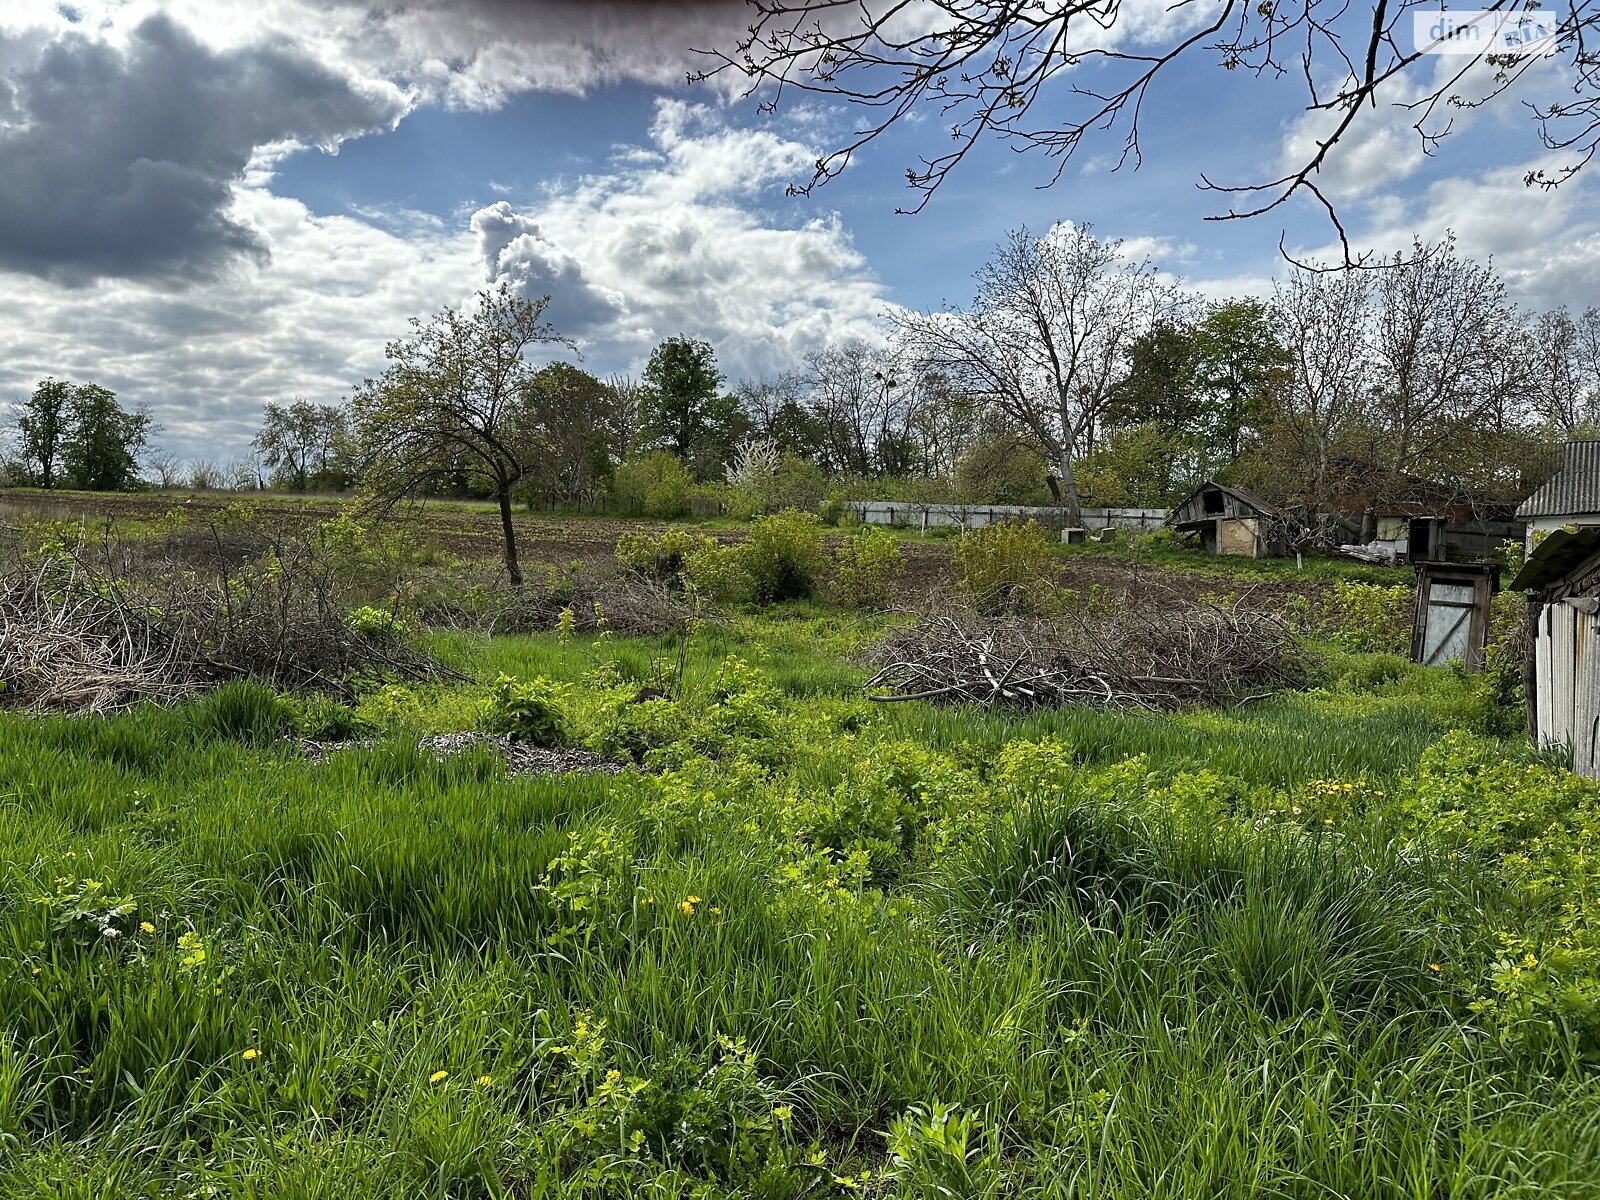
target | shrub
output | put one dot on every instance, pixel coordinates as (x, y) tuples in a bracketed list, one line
[(719, 572), (783, 556), (526, 711), (866, 568), (1005, 566), (376, 625), (324, 719), (655, 484), (660, 557), (1371, 618)]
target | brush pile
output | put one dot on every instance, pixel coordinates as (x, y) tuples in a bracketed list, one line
[(96, 632), (1167, 653), (67, 645)]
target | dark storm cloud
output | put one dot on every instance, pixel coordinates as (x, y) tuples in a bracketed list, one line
[(119, 162)]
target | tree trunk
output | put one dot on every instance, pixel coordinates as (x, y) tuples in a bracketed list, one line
[(1069, 491), (513, 567)]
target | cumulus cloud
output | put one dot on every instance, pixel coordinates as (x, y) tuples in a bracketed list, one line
[(119, 160), (674, 241), (629, 257)]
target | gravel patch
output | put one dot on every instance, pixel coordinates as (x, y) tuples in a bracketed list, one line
[(520, 758)]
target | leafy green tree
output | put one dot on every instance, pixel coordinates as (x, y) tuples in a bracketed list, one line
[(457, 401), (682, 409), (43, 423), (578, 414), (104, 441), (654, 484), (1003, 467)]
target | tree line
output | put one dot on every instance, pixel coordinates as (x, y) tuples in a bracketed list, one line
[(1075, 374)]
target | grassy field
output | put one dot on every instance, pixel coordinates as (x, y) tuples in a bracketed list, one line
[(1334, 944)]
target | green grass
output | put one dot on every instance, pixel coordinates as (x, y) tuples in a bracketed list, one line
[(1315, 568), (1207, 971)]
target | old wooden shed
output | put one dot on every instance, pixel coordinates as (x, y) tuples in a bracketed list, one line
[(1562, 579), (1230, 520)]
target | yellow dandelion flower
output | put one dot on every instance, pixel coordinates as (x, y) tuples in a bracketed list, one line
[(484, 1081), (36, 970), (686, 905), (438, 1076), (715, 911), (1433, 967), (251, 1054), (146, 927)]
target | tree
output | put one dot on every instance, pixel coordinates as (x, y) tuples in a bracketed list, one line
[(300, 443), (1045, 338), (627, 396), (1567, 381), (682, 409), (456, 397), (861, 402), (205, 475), (43, 424), (167, 467), (576, 413), (1198, 388), (104, 442), (1052, 75)]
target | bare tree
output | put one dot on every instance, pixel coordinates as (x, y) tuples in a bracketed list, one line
[(1568, 376), (1045, 338), (857, 400), (1334, 375), (1451, 353), (167, 468), (629, 393), (205, 475), (1050, 75), (456, 400)]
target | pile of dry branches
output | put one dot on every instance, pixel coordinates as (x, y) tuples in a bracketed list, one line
[(65, 644), (1165, 653), (91, 629)]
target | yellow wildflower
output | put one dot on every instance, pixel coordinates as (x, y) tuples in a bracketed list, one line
[(686, 905), (146, 927), (438, 1076), (484, 1081), (1433, 967), (251, 1054)]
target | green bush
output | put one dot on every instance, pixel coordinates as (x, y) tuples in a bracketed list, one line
[(243, 711), (719, 572), (783, 556), (1373, 618), (524, 711), (659, 556), (1007, 566), (866, 568), (655, 484)]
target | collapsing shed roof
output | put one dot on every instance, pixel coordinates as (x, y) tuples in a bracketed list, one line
[(1243, 497), (1573, 489), (1556, 557)]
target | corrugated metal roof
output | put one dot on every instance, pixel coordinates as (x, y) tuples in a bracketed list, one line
[(1557, 555), (1574, 489)]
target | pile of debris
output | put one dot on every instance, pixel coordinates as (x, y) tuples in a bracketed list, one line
[(521, 758), (1166, 653), (86, 634)]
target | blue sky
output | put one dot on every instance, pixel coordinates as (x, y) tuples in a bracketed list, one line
[(173, 226)]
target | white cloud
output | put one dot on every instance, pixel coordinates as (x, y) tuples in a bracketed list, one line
[(678, 244), (675, 241)]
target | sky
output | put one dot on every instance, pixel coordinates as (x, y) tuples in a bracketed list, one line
[(208, 205)]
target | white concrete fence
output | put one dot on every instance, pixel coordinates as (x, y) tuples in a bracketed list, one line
[(970, 516)]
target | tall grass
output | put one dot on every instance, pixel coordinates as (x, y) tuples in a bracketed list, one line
[(390, 976)]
